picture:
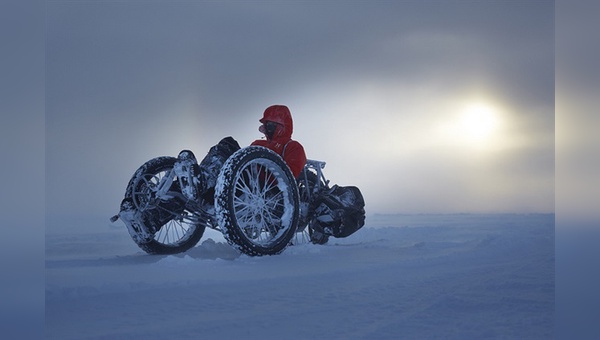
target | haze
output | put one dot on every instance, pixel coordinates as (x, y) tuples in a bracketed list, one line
[(426, 106)]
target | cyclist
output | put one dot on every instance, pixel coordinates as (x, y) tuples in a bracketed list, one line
[(277, 125)]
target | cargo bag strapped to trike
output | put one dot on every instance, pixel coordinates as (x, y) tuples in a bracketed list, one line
[(339, 212)]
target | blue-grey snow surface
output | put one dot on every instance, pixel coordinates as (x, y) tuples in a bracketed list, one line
[(401, 276)]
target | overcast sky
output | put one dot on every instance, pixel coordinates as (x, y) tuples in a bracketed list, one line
[(426, 106)]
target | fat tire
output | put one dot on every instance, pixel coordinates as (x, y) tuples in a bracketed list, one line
[(155, 219), (233, 171)]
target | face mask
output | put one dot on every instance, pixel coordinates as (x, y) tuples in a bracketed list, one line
[(268, 128)]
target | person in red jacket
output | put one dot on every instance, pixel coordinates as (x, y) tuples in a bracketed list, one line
[(200, 179), (278, 126)]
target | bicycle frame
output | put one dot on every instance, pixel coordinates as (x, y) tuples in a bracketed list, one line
[(322, 182)]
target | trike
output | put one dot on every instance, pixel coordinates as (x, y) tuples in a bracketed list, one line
[(258, 205)]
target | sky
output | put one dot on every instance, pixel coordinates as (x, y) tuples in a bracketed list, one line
[(426, 106)]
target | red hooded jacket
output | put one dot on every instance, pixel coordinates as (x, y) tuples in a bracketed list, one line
[(282, 143)]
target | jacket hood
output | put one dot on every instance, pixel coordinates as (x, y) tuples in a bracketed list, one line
[(280, 114)]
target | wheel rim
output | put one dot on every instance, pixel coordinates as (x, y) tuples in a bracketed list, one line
[(176, 231), (262, 204)]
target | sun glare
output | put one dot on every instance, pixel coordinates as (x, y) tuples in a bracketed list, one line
[(474, 126), (478, 121)]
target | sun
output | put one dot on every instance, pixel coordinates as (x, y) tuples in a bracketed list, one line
[(478, 121), (474, 125)]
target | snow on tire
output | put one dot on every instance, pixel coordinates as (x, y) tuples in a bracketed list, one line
[(174, 228), (256, 202)]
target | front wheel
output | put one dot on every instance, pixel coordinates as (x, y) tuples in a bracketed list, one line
[(256, 202), (174, 229)]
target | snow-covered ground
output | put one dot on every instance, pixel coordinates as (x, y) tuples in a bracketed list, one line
[(401, 276)]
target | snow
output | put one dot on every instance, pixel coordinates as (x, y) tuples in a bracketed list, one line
[(400, 276)]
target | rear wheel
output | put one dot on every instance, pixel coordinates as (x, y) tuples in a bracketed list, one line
[(306, 184), (256, 202), (175, 229)]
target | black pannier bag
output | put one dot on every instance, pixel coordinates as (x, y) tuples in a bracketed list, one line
[(340, 211)]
